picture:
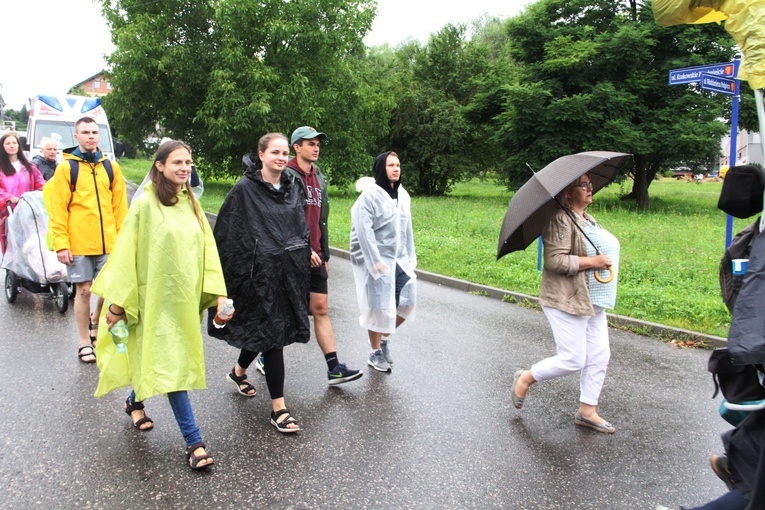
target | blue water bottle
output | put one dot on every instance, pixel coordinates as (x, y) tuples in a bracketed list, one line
[(120, 335)]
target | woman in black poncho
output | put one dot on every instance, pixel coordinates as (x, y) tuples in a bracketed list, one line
[(262, 239)]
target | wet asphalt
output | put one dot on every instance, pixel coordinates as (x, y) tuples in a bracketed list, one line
[(439, 432)]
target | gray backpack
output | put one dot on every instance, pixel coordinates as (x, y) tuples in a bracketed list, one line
[(739, 248)]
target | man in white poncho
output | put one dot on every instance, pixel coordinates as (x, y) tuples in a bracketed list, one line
[(383, 257)]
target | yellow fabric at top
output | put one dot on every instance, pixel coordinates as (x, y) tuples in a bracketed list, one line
[(745, 21), (680, 12), (164, 271), (704, 15)]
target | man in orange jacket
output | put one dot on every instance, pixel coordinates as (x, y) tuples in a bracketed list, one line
[(85, 217)]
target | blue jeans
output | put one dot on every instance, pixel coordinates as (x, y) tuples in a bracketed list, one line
[(732, 500), (179, 402)]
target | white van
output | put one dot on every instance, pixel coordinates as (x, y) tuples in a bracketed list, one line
[(54, 117)]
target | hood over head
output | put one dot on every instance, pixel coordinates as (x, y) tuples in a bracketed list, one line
[(381, 175), (251, 162)]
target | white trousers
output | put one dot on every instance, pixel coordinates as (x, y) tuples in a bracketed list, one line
[(582, 345)]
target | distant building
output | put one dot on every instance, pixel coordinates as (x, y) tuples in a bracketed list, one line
[(748, 149), (96, 85)]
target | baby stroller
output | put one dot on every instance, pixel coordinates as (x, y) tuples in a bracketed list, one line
[(27, 261)]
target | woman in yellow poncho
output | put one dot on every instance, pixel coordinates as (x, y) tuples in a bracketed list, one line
[(163, 272)]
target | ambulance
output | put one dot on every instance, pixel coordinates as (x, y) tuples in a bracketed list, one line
[(54, 117)]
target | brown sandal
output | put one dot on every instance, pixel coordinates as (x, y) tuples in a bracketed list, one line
[(282, 425), (138, 406), (194, 460), (82, 355)]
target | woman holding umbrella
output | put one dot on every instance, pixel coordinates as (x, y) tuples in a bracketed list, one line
[(574, 301)]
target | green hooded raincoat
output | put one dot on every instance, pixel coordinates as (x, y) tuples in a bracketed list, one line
[(164, 271)]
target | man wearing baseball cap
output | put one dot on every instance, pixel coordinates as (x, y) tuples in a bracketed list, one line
[(312, 182)]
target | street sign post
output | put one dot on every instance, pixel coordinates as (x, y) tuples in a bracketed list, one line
[(720, 78), (718, 84), (693, 74)]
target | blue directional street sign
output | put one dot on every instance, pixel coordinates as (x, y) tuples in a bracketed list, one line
[(718, 84), (717, 78), (693, 74)]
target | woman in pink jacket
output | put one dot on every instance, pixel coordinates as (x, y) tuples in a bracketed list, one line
[(17, 176)]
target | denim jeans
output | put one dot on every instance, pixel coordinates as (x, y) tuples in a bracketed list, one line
[(179, 402), (732, 500)]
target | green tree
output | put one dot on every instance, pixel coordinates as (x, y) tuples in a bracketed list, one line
[(500, 71), (77, 91), (594, 77), (432, 86), (20, 116), (221, 73)]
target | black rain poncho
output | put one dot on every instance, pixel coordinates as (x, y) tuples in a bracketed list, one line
[(263, 244)]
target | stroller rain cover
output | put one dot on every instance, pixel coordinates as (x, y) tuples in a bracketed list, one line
[(26, 253)]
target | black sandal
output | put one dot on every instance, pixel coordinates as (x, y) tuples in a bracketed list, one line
[(281, 426), (194, 460), (241, 381), (138, 406), (82, 355)]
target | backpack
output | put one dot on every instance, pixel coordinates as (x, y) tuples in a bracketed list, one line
[(737, 383), (74, 172), (739, 248), (742, 191)]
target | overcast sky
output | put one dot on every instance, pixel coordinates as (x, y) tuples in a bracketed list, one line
[(77, 37)]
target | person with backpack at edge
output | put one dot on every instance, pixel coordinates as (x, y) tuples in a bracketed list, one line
[(311, 184), (737, 368), (87, 204)]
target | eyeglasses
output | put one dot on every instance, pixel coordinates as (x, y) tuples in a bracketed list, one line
[(586, 186)]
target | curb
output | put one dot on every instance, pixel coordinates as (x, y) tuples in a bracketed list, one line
[(636, 326)]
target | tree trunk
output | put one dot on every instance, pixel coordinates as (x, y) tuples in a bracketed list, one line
[(639, 191)]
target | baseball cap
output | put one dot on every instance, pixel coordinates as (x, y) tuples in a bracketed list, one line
[(305, 133)]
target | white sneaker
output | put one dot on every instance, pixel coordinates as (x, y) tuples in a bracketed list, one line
[(260, 364), (378, 362)]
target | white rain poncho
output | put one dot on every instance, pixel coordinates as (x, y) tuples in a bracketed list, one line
[(381, 238)]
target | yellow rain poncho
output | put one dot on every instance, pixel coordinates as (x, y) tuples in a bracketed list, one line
[(744, 20), (164, 271)]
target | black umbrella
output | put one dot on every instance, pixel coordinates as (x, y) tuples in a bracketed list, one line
[(534, 204)]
